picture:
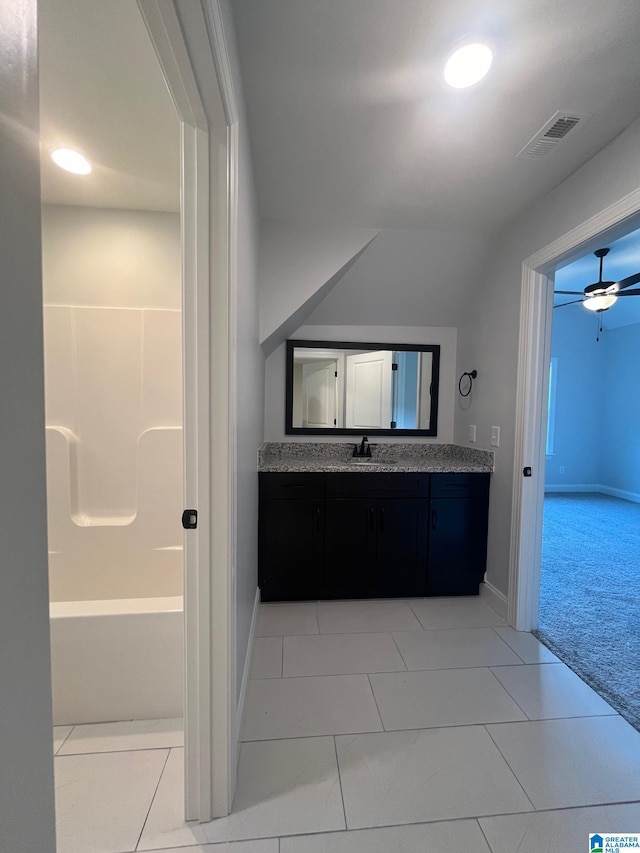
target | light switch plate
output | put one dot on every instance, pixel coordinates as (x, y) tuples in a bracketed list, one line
[(472, 433), (495, 436)]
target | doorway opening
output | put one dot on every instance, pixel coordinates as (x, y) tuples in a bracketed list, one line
[(532, 396), (112, 292), (591, 533)]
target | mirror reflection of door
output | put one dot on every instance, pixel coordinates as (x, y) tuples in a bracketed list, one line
[(319, 394), (425, 373), (368, 403)]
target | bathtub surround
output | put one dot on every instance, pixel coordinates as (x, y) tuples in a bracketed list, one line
[(113, 370), (114, 452)]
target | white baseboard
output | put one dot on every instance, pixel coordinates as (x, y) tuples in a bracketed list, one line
[(572, 487), (620, 493), (494, 598), (598, 488), (246, 673)]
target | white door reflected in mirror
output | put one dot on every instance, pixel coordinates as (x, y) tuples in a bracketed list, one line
[(362, 389)]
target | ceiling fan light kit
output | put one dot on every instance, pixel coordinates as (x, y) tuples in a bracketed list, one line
[(601, 295), (599, 303)]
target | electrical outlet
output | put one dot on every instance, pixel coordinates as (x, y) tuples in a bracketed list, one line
[(495, 436), (562, 469), (472, 433)]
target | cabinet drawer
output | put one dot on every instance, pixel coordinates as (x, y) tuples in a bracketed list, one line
[(465, 485), (361, 485), (290, 485)]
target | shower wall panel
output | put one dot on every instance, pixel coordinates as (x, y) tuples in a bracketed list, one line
[(113, 376)]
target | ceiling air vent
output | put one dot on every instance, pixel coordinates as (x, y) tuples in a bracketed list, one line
[(549, 137)]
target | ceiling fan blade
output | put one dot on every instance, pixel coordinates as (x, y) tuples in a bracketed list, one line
[(573, 302), (629, 281), (628, 293), (570, 292)]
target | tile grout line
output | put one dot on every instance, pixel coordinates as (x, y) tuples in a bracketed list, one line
[(357, 829), (513, 698), (508, 645), (395, 642), (344, 810), (375, 699), (486, 840), (504, 758), (64, 740), (416, 616), (117, 751), (155, 792)]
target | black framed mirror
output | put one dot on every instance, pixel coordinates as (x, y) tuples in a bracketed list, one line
[(354, 388)]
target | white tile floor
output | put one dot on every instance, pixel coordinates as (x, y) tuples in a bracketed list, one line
[(416, 726)]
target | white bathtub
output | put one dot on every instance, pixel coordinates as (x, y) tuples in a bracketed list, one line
[(117, 659)]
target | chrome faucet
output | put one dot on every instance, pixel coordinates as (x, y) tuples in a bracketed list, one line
[(364, 449)]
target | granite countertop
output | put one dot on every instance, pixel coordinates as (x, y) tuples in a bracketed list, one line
[(319, 457)]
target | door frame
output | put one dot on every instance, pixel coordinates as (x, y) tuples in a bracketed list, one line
[(188, 39), (536, 308)]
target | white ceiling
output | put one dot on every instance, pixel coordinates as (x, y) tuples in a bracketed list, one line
[(102, 93), (351, 123)]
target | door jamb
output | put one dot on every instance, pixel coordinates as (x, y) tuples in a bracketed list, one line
[(530, 429), (211, 737)]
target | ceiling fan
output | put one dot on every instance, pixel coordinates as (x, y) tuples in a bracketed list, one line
[(601, 295)]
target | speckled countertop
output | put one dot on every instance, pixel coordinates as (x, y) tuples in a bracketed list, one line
[(293, 456)]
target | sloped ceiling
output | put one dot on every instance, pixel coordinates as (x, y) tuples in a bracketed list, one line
[(351, 122)]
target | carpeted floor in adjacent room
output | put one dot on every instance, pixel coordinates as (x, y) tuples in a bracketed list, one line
[(590, 593)]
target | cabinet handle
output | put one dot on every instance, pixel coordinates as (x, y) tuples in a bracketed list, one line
[(381, 518), (434, 518), (371, 518), (318, 518)]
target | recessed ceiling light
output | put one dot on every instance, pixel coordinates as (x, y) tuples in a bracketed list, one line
[(71, 161), (468, 65)]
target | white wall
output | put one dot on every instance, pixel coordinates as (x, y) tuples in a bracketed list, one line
[(620, 439), (580, 397), (296, 262), (598, 407), (406, 278), (276, 365), (26, 796), (488, 336), (128, 258)]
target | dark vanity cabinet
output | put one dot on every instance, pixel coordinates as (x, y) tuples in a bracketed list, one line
[(375, 540), (458, 510), (371, 535), (291, 536)]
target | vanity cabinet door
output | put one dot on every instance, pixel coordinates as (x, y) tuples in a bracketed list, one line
[(350, 548), (291, 549), (402, 547), (458, 518)]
